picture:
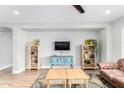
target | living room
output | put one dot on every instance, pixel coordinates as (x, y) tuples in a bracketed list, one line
[(18, 30)]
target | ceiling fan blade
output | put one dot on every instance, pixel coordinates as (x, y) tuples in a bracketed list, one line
[(79, 8)]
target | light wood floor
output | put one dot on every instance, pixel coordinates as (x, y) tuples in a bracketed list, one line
[(22, 80)]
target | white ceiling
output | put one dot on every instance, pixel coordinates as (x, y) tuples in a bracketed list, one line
[(59, 14)]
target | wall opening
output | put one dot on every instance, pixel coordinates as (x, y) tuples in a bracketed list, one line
[(6, 48)]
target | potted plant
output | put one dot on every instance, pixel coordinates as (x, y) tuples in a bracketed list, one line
[(36, 41), (87, 42), (91, 42)]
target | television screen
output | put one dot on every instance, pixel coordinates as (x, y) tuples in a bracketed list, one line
[(62, 45)]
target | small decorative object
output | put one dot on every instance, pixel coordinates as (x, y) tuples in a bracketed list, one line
[(94, 43), (91, 42), (87, 42), (36, 41)]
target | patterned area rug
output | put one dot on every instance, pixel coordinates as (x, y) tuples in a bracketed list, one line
[(96, 81)]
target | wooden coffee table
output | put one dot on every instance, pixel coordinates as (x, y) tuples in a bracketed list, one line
[(67, 76), (77, 76), (56, 74)]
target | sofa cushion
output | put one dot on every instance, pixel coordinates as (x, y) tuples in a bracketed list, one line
[(119, 81), (111, 73), (107, 73), (121, 63), (109, 66), (122, 69), (118, 73)]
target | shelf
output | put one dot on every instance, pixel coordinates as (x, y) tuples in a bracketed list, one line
[(87, 52), (34, 57)]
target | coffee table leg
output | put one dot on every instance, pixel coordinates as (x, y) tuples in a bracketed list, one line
[(48, 83), (64, 83), (69, 83), (86, 82)]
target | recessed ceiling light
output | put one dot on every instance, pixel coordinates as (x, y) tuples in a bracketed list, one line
[(107, 12), (16, 12)]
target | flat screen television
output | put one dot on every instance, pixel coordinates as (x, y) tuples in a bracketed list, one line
[(62, 45)]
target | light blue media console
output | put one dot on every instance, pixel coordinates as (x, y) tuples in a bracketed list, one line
[(61, 60)]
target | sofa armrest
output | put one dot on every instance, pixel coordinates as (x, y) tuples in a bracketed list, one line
[(108, 66)]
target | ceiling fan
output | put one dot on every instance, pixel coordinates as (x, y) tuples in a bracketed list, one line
[(79, 8)]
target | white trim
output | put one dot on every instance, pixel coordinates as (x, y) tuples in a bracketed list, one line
[(5, 67), (18, 71), (26, 67), (77, 66), (44, 67)]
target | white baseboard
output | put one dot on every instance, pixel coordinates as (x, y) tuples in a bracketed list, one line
[(18, 71), (47, 67), (5, 67), (26, 67), (44, 67), (77, 66)]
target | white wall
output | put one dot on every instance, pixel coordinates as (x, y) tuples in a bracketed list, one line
[(19, 40), (19, 45), (122, 43), (112, 42), (5, 47), (102, 45), (109, 43), (117, 40), (105, 44), (47, 39)]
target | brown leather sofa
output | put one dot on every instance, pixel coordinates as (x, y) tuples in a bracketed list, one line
[(113, 73)]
